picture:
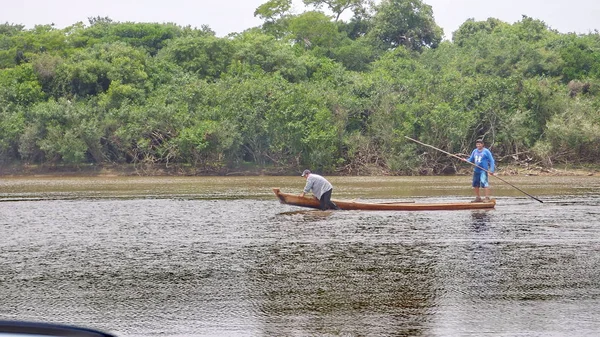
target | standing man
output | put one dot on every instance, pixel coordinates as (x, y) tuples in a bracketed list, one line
[(321, 189), (484, 161)]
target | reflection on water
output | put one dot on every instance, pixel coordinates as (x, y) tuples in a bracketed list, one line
[(480, 219), (200, 257)]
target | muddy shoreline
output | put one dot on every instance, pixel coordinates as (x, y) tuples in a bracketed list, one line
[(174, 170)]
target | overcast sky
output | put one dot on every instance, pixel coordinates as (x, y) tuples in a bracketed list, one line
[(230, 16)]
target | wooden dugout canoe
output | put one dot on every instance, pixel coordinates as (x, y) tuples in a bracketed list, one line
[(312, 202)]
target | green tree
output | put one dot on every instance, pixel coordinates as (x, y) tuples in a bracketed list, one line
[(273, 10), (19, 86), (92, 71), (572, 136), (60, 132), (469, 28), (338, 7), (314, 29), (209, 145), (258, 51), (579, 56), (12, 124), (150, 37), (206, 56), (20, 46), (407, 23)]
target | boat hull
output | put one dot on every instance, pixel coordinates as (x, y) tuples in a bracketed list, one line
[(312, 202)]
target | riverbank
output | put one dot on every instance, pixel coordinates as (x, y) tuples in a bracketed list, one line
[(132, 170), (554, 171), (175, 170)]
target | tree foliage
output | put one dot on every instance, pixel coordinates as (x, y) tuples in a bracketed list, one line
[(302, 90), (407, 23)]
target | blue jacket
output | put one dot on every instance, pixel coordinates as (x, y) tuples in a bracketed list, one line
[(483, 159)]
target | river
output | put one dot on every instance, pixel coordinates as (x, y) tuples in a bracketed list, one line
[(220, 256)]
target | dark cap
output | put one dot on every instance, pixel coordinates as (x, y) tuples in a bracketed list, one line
[(305, 173), (479, 141)]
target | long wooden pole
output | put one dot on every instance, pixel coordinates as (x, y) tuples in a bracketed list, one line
[(453, 155)]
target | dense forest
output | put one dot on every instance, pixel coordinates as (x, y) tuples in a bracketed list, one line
[(301, 90)]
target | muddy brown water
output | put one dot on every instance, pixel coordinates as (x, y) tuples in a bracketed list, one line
[(220, 256)]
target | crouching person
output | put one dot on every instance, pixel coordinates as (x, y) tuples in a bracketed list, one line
[(321, 189)]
